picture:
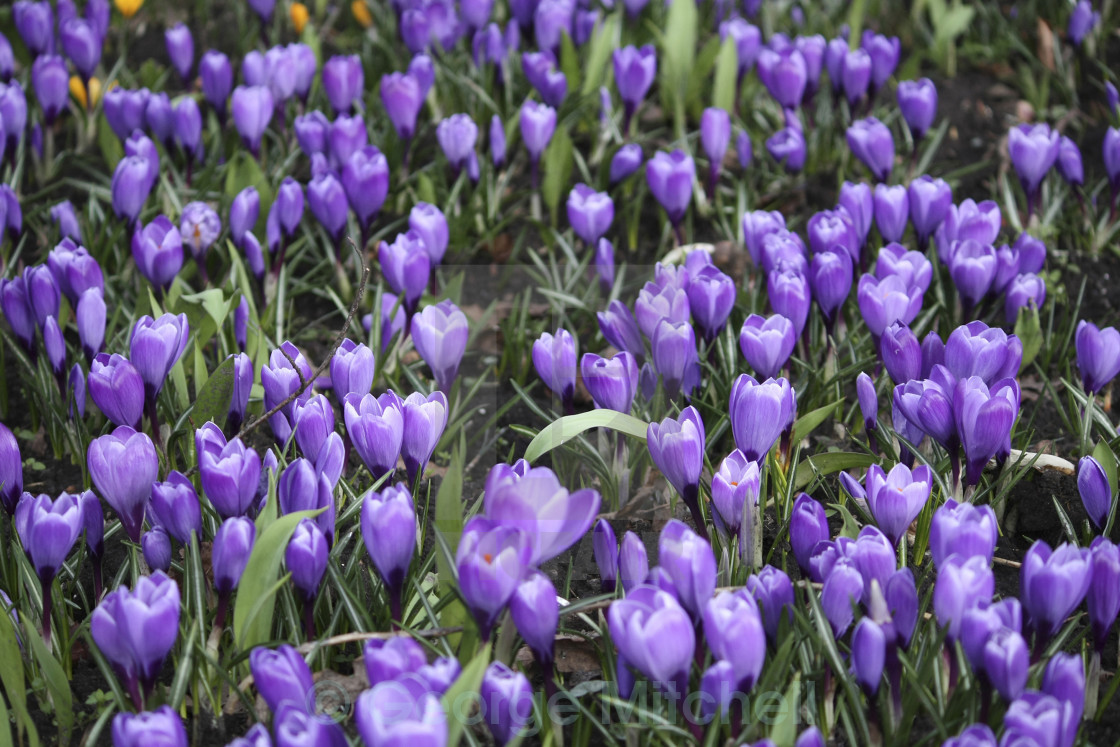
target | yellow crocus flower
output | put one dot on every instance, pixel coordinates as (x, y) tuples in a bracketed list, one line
[(299, 15), (128, 8), (361, 13), (78, 91)]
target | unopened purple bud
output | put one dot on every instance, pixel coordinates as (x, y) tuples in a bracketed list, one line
[(497, 141), (871, 142), (342, 79), (625, 162), (917, 100), (180, 48), (670, 177), (767, 343), (233, 543)]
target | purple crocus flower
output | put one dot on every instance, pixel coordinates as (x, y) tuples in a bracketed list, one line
[(715, 136), (538, 123), (748, 43), (871, 142), (1081, 21), (229, 473), (670, 177), (1098, 355), (375, 426), (1104, 589), (625, 162), (760, 412), (343, 82), (424, 421), (830, 276), (788, 292), (917, 100), (634, 71), (216, 74), (892, 211), (554, 357), (400, 711), (136, 630), (886, 302), (491, 561), (81, 44), (536, 613), (711, 297), (48, 530), (440, 333), (252, 112), (640, 626), (1095, 491), (457, 135), (589, 212), (365, 177), (1069, 162), (929, 203), (35, 24), (508, 702), (1052, 585), (389, 532), (736, 482), (612, 382), (123, 465), (180, 48), (676, 447), (855, 75), (896, 498), (962, 584), (785, 75), (787, 147), (117, 389), (767, 343), (1034, 150)]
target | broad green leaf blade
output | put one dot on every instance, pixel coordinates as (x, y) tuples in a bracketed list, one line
[(5, 727), (58, 685), (727, 73), (678, 55), (1103, 454), (808, 422), (256, 594), (556, 165), (569, 427), (12, 678), (1029, 331), (458, 698), (603, 42), (449, 526), (212, 402), (827, 464), (569, 61)]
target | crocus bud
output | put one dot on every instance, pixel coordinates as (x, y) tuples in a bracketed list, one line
[(892, 211), (1096, 493), (759, 413), (35, 24), (161, 726), (767, 343), (830, 276), (605, 547), (123, 465), (715, 136), (868, 401), (1006, 661), (50, 81), (216, 75), (440, 334), (507, 699), (365, 177), (156, 546), (457, 135), (233, 543), (625, 162), (1033, 150), (175, 507), (180, 48), (962, 583), (1026, 291), (634, 71), (620, 329), (1069, 162), (733, 485), (633, 565), (376, 429), (386, 660), (81, 44), (117, 389), (424, 421), (612, 382), (252, 112), (808, 526), (871, 142), (929, 200), (1098, 355), (47, 530), (535, 612), (430, 223), (136, 630), (785, 75), (1052, 585), (917, 100), (389, 531), (1064, 679), (281, 676), (869, 651), (644, 617), (896, 498), (670, 176), (497, 141), (306, 559), (130, 187), (378, 713), (589, 212), (675, 358), (1104, 589), (554, 357), (787, 147), (343, 82), (538, 122), (901, 354), (11, 470)]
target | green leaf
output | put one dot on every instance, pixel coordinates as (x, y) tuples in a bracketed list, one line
[(569, 427), (12, 678), (850, 527), (244, 171), (603, 42), (449, 510), (727, 73), (1063, 519), (458, 699), (1029, 331), (212, 401), (827, 464), (256, 594), (111, 149), (569, 61), (678, 55), (808, 422), (784, 732), (5, 727), (1107, 459), (58, 685), (557, 168)]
